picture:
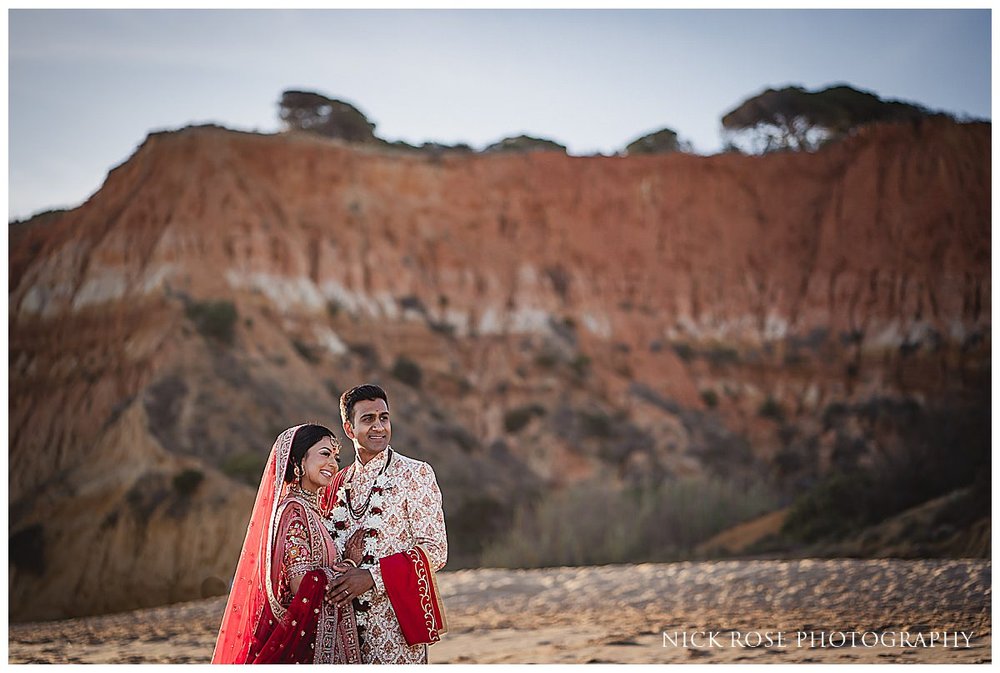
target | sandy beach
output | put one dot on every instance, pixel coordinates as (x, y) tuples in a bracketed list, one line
[(896, 609)]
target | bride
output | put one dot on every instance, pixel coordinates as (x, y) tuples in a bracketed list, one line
[(278, 610)]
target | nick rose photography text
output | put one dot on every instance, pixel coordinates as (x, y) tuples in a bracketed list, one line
[(906, 639)]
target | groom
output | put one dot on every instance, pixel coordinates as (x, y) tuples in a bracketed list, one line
[(387, 518)]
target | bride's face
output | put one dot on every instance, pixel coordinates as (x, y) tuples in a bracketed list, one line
[(320, 464)]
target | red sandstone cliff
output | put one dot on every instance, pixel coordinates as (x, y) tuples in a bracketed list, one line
[(597, 297)]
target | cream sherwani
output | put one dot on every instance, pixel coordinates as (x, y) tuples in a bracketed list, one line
[(412, 515)]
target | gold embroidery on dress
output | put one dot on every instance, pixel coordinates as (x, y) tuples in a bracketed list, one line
[(423, 586)]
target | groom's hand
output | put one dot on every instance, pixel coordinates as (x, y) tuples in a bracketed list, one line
[(350, 585), (355, 547)]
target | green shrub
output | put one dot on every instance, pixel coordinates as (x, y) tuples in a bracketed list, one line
[(477, 522), (581, 365), (833, 414), (684, 351), (214, 319), (722, 355), (852, 338), (445, 328), (771, 408), (710, 398), (307, 352), (456, 434), (663, 141), (664, 522), (245, 467), (546, 360), (924, 453), (412, 302), (515, 419), (363, 350), (407, 371), (27, 549), (523, 143), (596, 424), (833, 508), (187, 481), (147, 494)]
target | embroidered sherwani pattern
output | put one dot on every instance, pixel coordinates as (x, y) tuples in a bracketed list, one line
[(412, 515)]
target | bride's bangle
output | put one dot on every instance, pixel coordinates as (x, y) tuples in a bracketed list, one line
[(350, 562)]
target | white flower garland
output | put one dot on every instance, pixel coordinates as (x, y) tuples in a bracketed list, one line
[(338, 525)]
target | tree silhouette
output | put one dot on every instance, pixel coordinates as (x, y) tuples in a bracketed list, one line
[(659, 142), (525, 143), (315, 113), (795, 119)]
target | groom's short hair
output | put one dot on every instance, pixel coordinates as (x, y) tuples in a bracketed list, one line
[(366, 391)]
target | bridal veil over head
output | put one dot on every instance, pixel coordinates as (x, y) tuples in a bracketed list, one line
[(252, 584)]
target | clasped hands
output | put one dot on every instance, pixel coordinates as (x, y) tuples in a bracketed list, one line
[(352, 581)]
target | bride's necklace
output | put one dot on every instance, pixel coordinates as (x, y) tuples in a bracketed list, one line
[(312, 499)]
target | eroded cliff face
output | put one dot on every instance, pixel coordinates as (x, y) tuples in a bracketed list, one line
[(567, 316)]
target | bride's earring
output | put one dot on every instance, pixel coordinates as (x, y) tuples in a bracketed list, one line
[(298, 475)]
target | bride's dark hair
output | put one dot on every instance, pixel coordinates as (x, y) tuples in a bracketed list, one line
[(305, 437)]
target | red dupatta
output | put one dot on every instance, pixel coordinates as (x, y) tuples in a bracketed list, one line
[(255, 627), (310, 632), (292, 640)]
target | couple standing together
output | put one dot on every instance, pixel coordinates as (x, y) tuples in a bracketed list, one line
[(338, 566)]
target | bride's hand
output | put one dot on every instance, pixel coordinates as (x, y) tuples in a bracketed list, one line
[(339, 567)]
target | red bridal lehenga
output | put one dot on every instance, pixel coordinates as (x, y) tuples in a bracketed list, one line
[(286, 538)]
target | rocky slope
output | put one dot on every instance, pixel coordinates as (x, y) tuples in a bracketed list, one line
[(538, 319)]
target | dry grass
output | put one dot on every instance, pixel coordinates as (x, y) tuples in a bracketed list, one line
[(599, 522)]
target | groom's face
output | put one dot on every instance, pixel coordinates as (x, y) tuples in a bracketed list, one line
[(371, 428)]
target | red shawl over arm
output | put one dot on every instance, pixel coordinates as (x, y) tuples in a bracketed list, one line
[(412, 589)]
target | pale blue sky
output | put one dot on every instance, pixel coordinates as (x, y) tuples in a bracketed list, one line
[(86, 86)]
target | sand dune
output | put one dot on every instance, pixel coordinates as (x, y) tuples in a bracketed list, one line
[(618, 614)]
